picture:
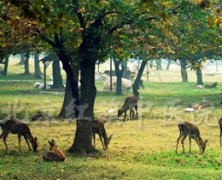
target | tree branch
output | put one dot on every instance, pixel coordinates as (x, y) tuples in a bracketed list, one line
[(78, 14)]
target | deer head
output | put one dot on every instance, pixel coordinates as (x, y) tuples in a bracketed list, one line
[(34, 144), (203, 145), (52, 144), (108, 141)]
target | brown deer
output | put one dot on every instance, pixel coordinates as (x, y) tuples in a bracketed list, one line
[(220, 124), (98, 128), (202, 105), (210, 86), (190, 130), (40, 116), (129, 104), (16, 126), (54, 153)]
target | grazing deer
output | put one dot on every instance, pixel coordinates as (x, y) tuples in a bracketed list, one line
[(190, 130), (129, 104), (98, 128), (220, 123), (16, 126), (213, 85), (54, 153)]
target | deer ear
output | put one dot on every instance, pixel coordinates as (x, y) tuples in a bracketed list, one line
[(110, 137), (35, 139), (206, 141)]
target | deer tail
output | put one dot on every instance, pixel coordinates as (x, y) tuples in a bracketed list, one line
[(181, 127)]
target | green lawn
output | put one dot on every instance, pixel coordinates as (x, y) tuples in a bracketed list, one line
[(142, 149)]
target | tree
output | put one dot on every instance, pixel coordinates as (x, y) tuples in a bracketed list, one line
[(37, 73)]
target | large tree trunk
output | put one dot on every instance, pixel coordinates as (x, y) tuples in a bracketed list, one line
[(199, 77), (138, 78), (126, 72), (83, 136), (119, 75), (5, 71), (37, 73), (67, 110), (183, 66), (27, 72), (57, 77), (168, 65)]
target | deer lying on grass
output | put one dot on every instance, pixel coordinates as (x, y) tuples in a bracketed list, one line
[(54, 153), (220, 124), (202, 105), (190, 130), (16, 126), (129, 104), (213, 85), (98, 128)]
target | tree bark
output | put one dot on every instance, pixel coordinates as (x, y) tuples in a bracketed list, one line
[(183, 66), (168, 65), (57, 77), (119, 75), (27, 72), (138, 78), (37, 73), (83, 136), (158, 65), (67, 110), (5, 71), (199, 77), (22, 60)]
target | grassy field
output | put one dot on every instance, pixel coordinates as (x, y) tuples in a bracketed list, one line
[(140, 149)]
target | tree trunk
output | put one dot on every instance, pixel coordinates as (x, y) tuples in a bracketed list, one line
[(22, 60), (83, 136), (158, 65), (119, 75), (5, 71), (57, 77), (168, 65), (126, 73), (199, 77), (27, 72), (67, 110), (37, 73), (183, 66), (138, 78)]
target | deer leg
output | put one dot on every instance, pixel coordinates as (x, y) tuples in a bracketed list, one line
[(199, 144), (182, 142), (136, 108), (100, 137), (19, 141), (190, 144), (178, 140), (221, 139), (124, 116), (26, 139), (5, 135)]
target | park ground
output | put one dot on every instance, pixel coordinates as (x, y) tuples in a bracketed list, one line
[(140, 149)]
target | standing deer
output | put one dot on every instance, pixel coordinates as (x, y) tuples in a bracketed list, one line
[(16, 126), (220, 123), (190, 130), (129, 104), (54, 153), (98, 128)]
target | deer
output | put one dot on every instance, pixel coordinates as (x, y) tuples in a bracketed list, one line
[(202, 105), (99, 128), (192, 131), (129, 104), (210, 86), (16, 126), (54, 153), (220, 124), (40, 116)]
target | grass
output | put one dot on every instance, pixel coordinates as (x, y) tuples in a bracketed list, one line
[(142, 149)]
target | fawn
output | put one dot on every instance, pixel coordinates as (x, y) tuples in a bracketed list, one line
[(220, 123), (98, 128), (190, 130), (54, 153), (130, 103), (16, 126)]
